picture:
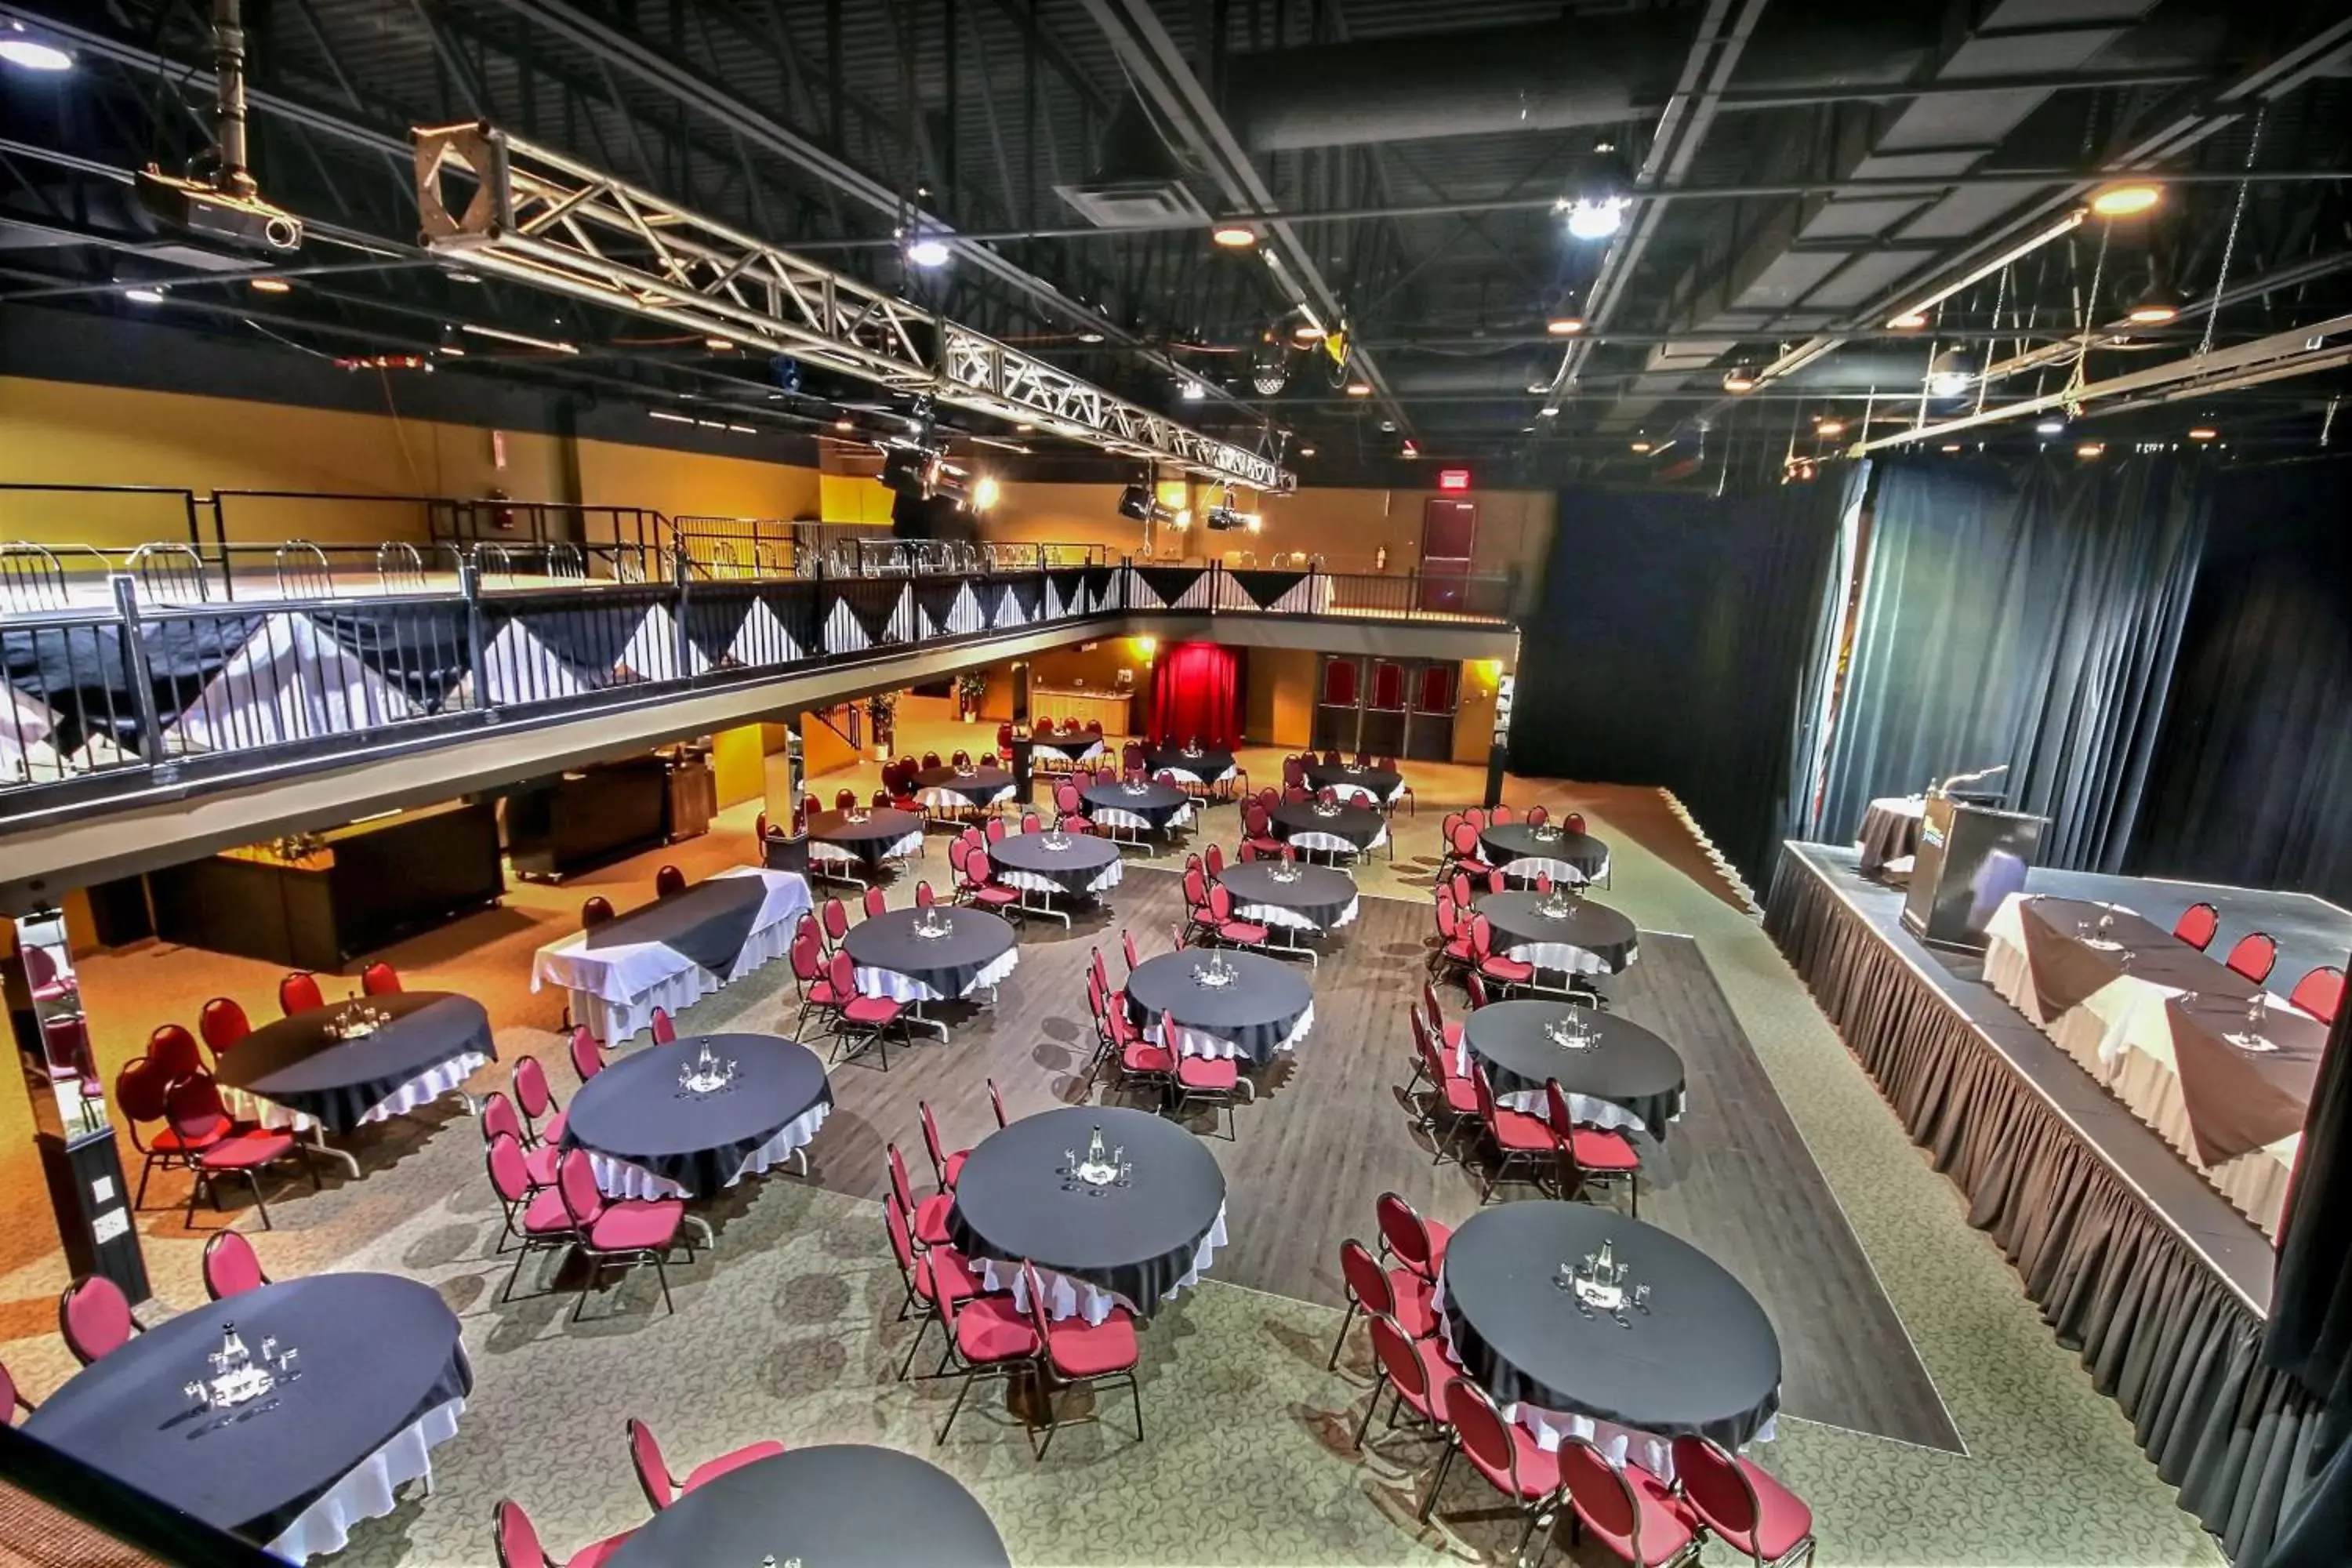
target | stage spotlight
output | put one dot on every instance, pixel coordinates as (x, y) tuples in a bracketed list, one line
[(2127, 200), (985, 492), (911, 470), (1738, 379), (1192, 392), (1595, 205), (24, 51), (1233, 237), (1950, 373), (1595, 217), (928, 252)]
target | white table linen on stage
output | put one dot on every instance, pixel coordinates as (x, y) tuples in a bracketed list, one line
[(367, 1490), (617, 1178), (1069, 1298), (2121, 1036)]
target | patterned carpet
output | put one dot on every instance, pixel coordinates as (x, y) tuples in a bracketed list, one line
[(788, 1331)]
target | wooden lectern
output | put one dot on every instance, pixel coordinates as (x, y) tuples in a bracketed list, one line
[(1969, 859)]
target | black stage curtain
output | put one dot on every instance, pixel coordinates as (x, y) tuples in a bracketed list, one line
[(1672, 647), (2255, 771), (2310, 1334), (2028, 614)]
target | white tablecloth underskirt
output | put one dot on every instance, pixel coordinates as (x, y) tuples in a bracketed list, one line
[(617, 1178), (1068, 754), (946, 802), (1586, 1110), (1184, 775), (1289, 919), (1069, 1298), (1528, 867), (899, 988), (1115, 816), (904, 849), (1038, 882), (1364, 794), (1332, 844), (614, 990), (423, 1089), (1192, 1042), (1559, 958), (366, 1492)]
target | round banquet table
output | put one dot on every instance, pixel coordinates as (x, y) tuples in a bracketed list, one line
[(1378, 786), (1628, 1077), (1149, 808), (979, 788), (841, 1505), (1350, 830), (650, 1138), (1524, 852), (380, 1377), (1083, 866), (977, 953), (1269, 1006), (1591, 939), (1321, 899), (880, 834), (1703, 1359), (1208, 765), (1095, 1247), (292, 1073)]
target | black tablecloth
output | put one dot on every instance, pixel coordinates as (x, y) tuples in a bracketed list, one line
[(295, 1063), (1629, 1067), (2239, 1101), (2067, 970), (634, 1111), (980, 787), (1890, 831), (1359, 825), (1213, 763), (1321, 893), (869, 840), (377, 1351), (1256, 1012), (708, 923), (1012, 1201), (1158, 804), (1074, 867), (1514, 840), (841, 1505), (1594, 928), (1381, 781), (948, 964), (1703, 1359)]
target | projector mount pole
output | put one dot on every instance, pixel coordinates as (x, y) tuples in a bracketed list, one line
[(228, 101)]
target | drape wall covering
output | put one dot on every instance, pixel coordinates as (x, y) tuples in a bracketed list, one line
[(2254, 779), (2025, 614), (1196, 695), (1672, 647)]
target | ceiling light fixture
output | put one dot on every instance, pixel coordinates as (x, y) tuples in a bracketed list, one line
[(1909, 322), (270, 285), (1359, 389), (2129, 200), (2058, 230), (1594, 217), (144, 296), (928, 252), (452, 351), (1548, 413), (1949, 446), (502, 336), (1233, 237), (719, 345), (844, 425), (1307, 332), (26, 52), (2154, 309), (1641, 447), (1564, 326), (985, 491), (1023, 429), (1949, 373), (1306, 452), (1090, 337), (2203, 433), (1738, 379), (2050, 427), (2090, 449), (1192, 392), (1829, 427)]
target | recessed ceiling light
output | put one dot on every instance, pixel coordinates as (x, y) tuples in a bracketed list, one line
[(144, 296), (1233, 237), (270, 285), (2127, 200), (1909, 322), (1564, 326), (2203, 433), (1949, 446), (717, 345), (1359, 389), (1306, 452)]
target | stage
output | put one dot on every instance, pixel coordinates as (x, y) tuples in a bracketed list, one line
[(2135, 1261)]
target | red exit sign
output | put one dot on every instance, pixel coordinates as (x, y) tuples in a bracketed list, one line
[(1453, 479)]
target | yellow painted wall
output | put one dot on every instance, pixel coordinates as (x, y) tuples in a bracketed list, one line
[(852, 498), (823, 750), (1474, 712), (1279, 707), (691, 484), (740, 765)]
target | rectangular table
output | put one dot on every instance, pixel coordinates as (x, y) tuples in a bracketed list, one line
[(672, 952), (2126, 1004)]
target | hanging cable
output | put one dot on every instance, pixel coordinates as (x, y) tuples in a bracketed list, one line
[(2230, 245)]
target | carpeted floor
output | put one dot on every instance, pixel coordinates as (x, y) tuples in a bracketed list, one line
[(788, 1328)]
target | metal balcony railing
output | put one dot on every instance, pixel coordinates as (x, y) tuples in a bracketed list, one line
[(98, 700)]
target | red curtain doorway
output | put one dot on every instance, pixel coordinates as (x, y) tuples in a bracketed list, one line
[(1196, 695)]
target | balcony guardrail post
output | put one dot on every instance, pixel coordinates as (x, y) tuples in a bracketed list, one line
[(470, 587), (680, 665), (134, 664)]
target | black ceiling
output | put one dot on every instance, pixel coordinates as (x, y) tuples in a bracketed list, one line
[(1812, 168)]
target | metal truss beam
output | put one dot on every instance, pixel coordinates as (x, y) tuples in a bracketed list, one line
[(541, 218)]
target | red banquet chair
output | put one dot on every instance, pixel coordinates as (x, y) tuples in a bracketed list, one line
[(218, 1146), (1419, 1244), (668, 882), (2319, 992), (380, 979), (663, 1029), (950, 1271), (2254, 956), (517, 1540), (1519, 1138), (138, 1090), (500, 1119), (230, 1267), (536, 1100), (860, 1021), (587, 1061), (1415, 1369), (94, 1318), (1507, 1454), (929, 1217), (298, 992), (173, 1051), (946, 1163), (221, 1023), (1632, 1512), (628, 1231), (988, 1336), (1398, 1294), (1590, 1155), (2197, 925), (594, 911), (1077, 1352), (1743, 1504), (661, 1487)]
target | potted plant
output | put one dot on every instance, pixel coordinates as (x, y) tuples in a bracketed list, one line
[(882, 718), (970, 687)]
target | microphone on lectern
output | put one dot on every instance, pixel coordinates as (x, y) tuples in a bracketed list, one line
[(1946, 787)]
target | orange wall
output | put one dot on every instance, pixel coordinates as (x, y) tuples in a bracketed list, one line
[(1279, 707)]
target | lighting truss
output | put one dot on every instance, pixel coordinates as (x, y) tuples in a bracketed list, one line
[(541, 218)]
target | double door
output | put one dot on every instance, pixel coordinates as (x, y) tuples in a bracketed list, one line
[(1387, 707)]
